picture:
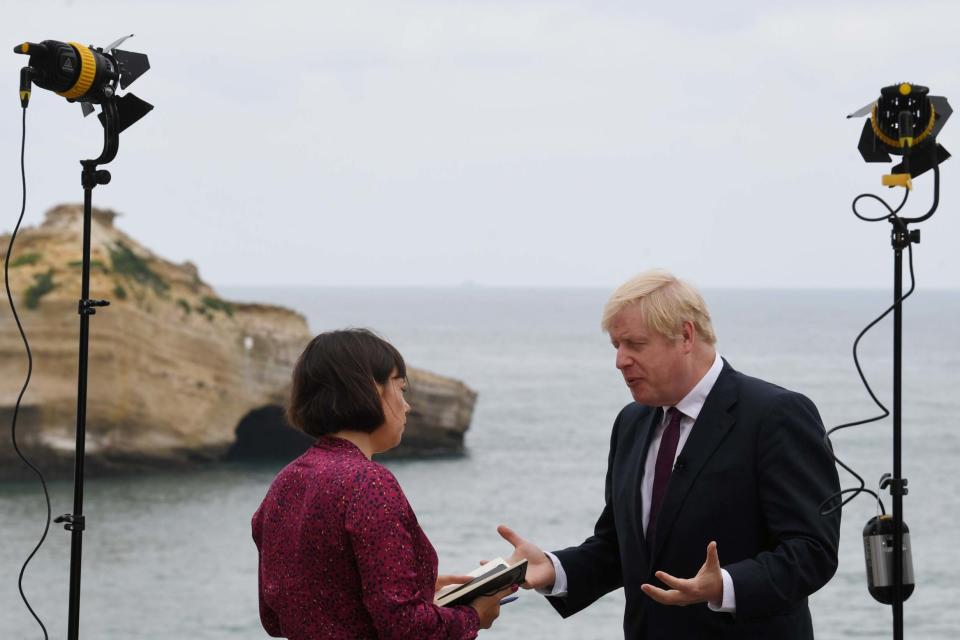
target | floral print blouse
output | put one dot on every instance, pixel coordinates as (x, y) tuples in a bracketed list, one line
[(342, 556)]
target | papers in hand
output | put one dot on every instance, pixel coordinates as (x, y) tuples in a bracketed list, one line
[(487, 580)]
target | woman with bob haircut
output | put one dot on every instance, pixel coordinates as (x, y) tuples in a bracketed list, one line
[(341, 553)]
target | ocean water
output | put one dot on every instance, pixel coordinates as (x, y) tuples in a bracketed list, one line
[(169, 555)]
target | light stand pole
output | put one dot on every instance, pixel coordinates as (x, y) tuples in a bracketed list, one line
[(75, 522), (901, 238)]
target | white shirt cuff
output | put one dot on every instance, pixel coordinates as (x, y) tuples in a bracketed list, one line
[(560, 584), (728, 602)]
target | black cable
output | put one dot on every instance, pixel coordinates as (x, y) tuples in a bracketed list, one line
[(893, 212), (16, 409), (855, 491)]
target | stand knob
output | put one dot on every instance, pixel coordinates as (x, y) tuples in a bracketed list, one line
[(88, 307), (91, 176), (73, 523)]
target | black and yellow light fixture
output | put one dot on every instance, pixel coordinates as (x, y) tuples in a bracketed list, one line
[(85, 74), (904, 121)]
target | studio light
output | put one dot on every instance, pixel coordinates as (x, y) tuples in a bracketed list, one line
[(86, 75), (904, 121)]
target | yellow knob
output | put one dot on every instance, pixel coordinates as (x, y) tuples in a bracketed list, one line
[(905, 89)]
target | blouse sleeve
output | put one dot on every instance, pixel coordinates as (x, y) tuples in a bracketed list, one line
[(269, 619), (382, 529)]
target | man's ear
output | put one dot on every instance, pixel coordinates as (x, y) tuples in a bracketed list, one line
[(688, 336)]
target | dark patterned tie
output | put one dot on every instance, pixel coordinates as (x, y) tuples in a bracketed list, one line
[(664, 466)]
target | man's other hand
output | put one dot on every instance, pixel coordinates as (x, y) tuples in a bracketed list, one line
[(706, 586)]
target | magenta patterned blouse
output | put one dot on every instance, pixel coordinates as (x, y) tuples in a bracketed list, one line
[(342, 556)]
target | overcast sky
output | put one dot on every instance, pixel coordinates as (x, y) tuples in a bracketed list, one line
[(498, 143)]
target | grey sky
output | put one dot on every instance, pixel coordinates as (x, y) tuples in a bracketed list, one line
[(501, 143)]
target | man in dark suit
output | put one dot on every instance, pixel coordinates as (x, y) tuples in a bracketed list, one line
[(705, 462)]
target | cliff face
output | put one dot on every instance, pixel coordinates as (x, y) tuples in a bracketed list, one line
[(173, 367)]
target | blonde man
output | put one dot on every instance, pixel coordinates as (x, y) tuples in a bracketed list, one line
[(705, 463)]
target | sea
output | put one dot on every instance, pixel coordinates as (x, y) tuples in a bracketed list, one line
[(169, 554)]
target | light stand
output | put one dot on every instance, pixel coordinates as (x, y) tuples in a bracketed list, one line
[(904, 121), (90, 76)]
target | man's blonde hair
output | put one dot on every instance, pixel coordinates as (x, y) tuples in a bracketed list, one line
[(665, 303)]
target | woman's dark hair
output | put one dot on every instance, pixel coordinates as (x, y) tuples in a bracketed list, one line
[(335, 380)]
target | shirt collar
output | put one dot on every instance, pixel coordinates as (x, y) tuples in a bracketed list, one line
[(328, 441), (692, 403)]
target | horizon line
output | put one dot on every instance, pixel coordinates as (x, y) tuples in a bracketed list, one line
[(477, 286)]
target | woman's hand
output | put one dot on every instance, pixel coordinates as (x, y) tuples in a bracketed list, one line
[(445, 581), (488, 607)]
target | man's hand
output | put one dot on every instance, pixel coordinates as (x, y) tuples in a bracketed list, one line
[(706, 586), (443, 581), (540, 572)]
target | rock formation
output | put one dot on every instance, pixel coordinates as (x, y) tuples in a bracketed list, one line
[(174, 368)]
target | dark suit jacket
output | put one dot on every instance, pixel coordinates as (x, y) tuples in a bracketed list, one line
[(753, 474)]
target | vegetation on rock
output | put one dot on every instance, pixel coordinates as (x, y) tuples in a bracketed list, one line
[(94, 264), (216, 304), (125, 262), (42, 285), (25, 259)]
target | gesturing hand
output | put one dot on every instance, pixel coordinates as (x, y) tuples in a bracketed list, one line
[(706, 586), (540, 571)]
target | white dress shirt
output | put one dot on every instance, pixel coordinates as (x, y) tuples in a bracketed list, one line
[(690, 406)]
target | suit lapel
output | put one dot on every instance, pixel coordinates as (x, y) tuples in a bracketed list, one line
[(712, 425)]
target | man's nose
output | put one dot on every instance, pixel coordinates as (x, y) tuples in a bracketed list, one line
[(622, 360)]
